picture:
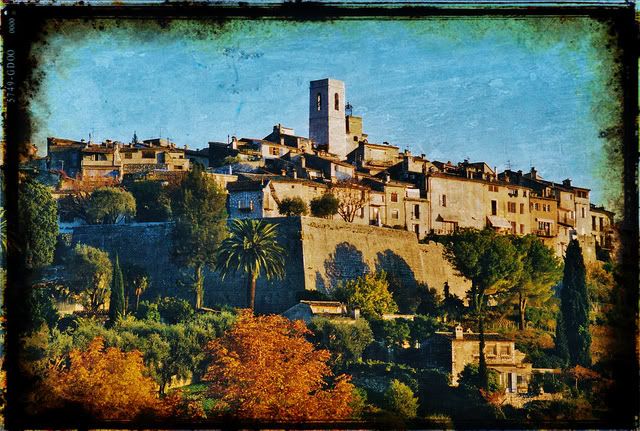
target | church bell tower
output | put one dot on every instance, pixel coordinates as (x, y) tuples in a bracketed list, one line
[(327, 126)]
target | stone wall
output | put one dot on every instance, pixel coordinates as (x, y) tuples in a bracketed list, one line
[(319, 253)]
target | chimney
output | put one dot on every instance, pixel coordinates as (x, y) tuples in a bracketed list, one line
[(303, 162), (295, 174), (230, 170), (422, 156), (458, 332), (387, 177), (356, 312), (234, 143), (567, 182), (534, 173), (283, 172)]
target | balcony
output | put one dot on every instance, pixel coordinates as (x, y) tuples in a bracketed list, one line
[(543, 233)]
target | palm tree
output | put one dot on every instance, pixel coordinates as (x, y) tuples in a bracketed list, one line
[(252, 248)]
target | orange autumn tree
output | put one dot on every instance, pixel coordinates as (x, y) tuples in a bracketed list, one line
[(263, 368), (109, 383)]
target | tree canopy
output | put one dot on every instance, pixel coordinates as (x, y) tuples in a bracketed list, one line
[(110, 205), (252, 247), (264, 368), (153, 203), (116, 301), (109, 383), (38, 227), (90, 273), (200, 215), (575, 307), (345, 340), (324, 206), (370, 292), (399, 399), (293, 207)]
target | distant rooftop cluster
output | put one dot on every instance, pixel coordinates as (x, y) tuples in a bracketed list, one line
[(376, 183)]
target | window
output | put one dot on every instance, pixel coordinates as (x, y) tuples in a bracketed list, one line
[(492, 350), (274, 151), (511, 207), (521, 208), (494, 207), (593, 222), (148, 154), (336, 102), (493, 188), (394, 214), (522, 228), (128, 155), (583, 214), (524, 193), (505, 350), (178, 167), (444, 200), (536, 206), (318, 102), (361, 212), (513, 227), (394, 197), (416, 211)]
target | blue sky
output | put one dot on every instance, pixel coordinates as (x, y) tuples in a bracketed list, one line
[(506, 91)]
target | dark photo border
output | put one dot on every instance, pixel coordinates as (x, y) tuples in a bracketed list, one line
[(22, 26)]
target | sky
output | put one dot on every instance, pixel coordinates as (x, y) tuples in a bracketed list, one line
[(511, 92)]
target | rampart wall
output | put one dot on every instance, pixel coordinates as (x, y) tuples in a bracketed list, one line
[(319, 254)]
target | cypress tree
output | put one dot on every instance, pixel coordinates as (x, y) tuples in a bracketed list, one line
[(562, 349), (575, 307), (116, 301)]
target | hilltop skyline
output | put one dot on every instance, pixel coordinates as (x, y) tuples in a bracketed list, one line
[(451, 89)]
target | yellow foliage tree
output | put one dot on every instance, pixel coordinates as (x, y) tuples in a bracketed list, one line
[(109, 383), (265, 369)]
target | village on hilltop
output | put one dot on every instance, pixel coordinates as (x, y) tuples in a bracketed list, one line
[(376, 211)]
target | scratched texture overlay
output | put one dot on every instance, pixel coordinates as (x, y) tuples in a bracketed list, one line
[(550, 85)]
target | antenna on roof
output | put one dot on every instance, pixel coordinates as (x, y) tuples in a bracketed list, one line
[(348, 109), (509, 164), (135, 138)]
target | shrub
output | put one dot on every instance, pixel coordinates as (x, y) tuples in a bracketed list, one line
[(174, 310), (109, 205), (148, 311), (370, 292), (400, 400), (346, 341), (470, 377), (293, 207), (324, 206)]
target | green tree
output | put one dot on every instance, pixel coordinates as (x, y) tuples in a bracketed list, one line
[(325, 206), (116, 301), (370, 292), (38, 228), (400, 400), (293, 207), (392, 333), (91, 271), (575, 306), (175, 310), (345, 340), (470, 377), (42, 310), (200, 225), (110, 205), (252, 247), (491, 262), (153, 203), (136, 281), (541, 270)]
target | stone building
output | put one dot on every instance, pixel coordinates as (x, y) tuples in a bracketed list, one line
[(111, 159), (451, 352), (327, 119)]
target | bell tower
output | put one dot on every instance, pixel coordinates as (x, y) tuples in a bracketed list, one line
[(327, 125)]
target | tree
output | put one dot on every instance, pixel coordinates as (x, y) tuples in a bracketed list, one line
[(136, 282), (399, 399), (91, 272), (293, 207), (252, 247), (561, 347), (470, 377), (42, 310), (116, 302), (110, 205), (575, 306), (38, 228), (491, 262), (352, 198), (346, 341), (174, 310), (108, 383), (540, 272), (200, 225), (264, 368), (370, 292), (153, 203), (324, 206)]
